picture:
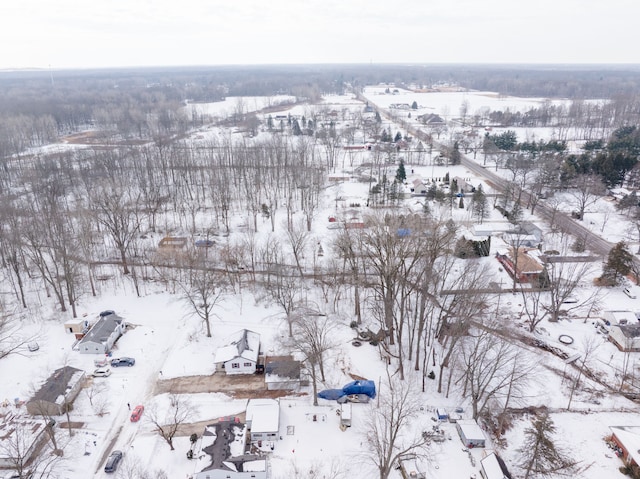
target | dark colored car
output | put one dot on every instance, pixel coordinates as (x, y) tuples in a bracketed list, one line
[(112, 461), (204, 243), (122, 362)]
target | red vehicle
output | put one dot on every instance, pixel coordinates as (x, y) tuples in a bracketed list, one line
[(136, 413)]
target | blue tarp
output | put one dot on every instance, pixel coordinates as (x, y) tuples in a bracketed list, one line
[(331, 394), (360, 387)]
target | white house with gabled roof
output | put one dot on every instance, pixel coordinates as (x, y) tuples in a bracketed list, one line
[(240, 353)]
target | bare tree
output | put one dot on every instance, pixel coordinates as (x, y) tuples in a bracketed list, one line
[(388, 428), (203, 287), (179, 412), (589, 346), (488, 364), (563, 280), (313, 337), (116, 210), (298, 237), (588, 190), (12, 341)]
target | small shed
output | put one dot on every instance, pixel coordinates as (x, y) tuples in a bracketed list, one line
[(57, 393), (493, 467), (263, 419), (470, 433), (345, 414), (442, 414), (76, 326), (103, 335), (240, 353)]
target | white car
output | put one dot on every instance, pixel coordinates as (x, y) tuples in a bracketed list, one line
[(101, 373)]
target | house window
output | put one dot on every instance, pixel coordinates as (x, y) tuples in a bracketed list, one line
[(247, 365), (235, 365)]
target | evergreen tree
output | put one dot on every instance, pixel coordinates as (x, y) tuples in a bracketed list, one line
[(295, 128), (540, 456), (619, 264), (384, 136), (270, 122), (480, 204), (455, 154), (378, 119), (506, 141), (461, 202), (401, 174), (414, 105), (398, 137)]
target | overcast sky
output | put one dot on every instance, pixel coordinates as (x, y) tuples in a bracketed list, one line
[(107, 33)]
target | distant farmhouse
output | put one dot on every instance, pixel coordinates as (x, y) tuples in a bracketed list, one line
[(431, 119), (57, 393), (103, 335), (240, 354)]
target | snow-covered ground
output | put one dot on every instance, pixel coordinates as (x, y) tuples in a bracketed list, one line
[(169, 343)]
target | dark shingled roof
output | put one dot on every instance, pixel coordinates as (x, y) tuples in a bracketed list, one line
[(58, 384)]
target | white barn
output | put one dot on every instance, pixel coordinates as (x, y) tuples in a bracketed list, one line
[(263, 419), (240, 353)]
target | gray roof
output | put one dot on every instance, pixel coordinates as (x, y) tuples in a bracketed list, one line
[(219, 453), (103, 328), (58, 384), (630, 330), (283, 367)]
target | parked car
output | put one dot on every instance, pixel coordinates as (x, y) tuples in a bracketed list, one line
[(101, 372), (136, 413), (204, 243), (122, 362), (33, 346), (112, 461), (100, 363)]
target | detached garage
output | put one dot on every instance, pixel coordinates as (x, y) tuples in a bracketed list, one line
[(471, 434)]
